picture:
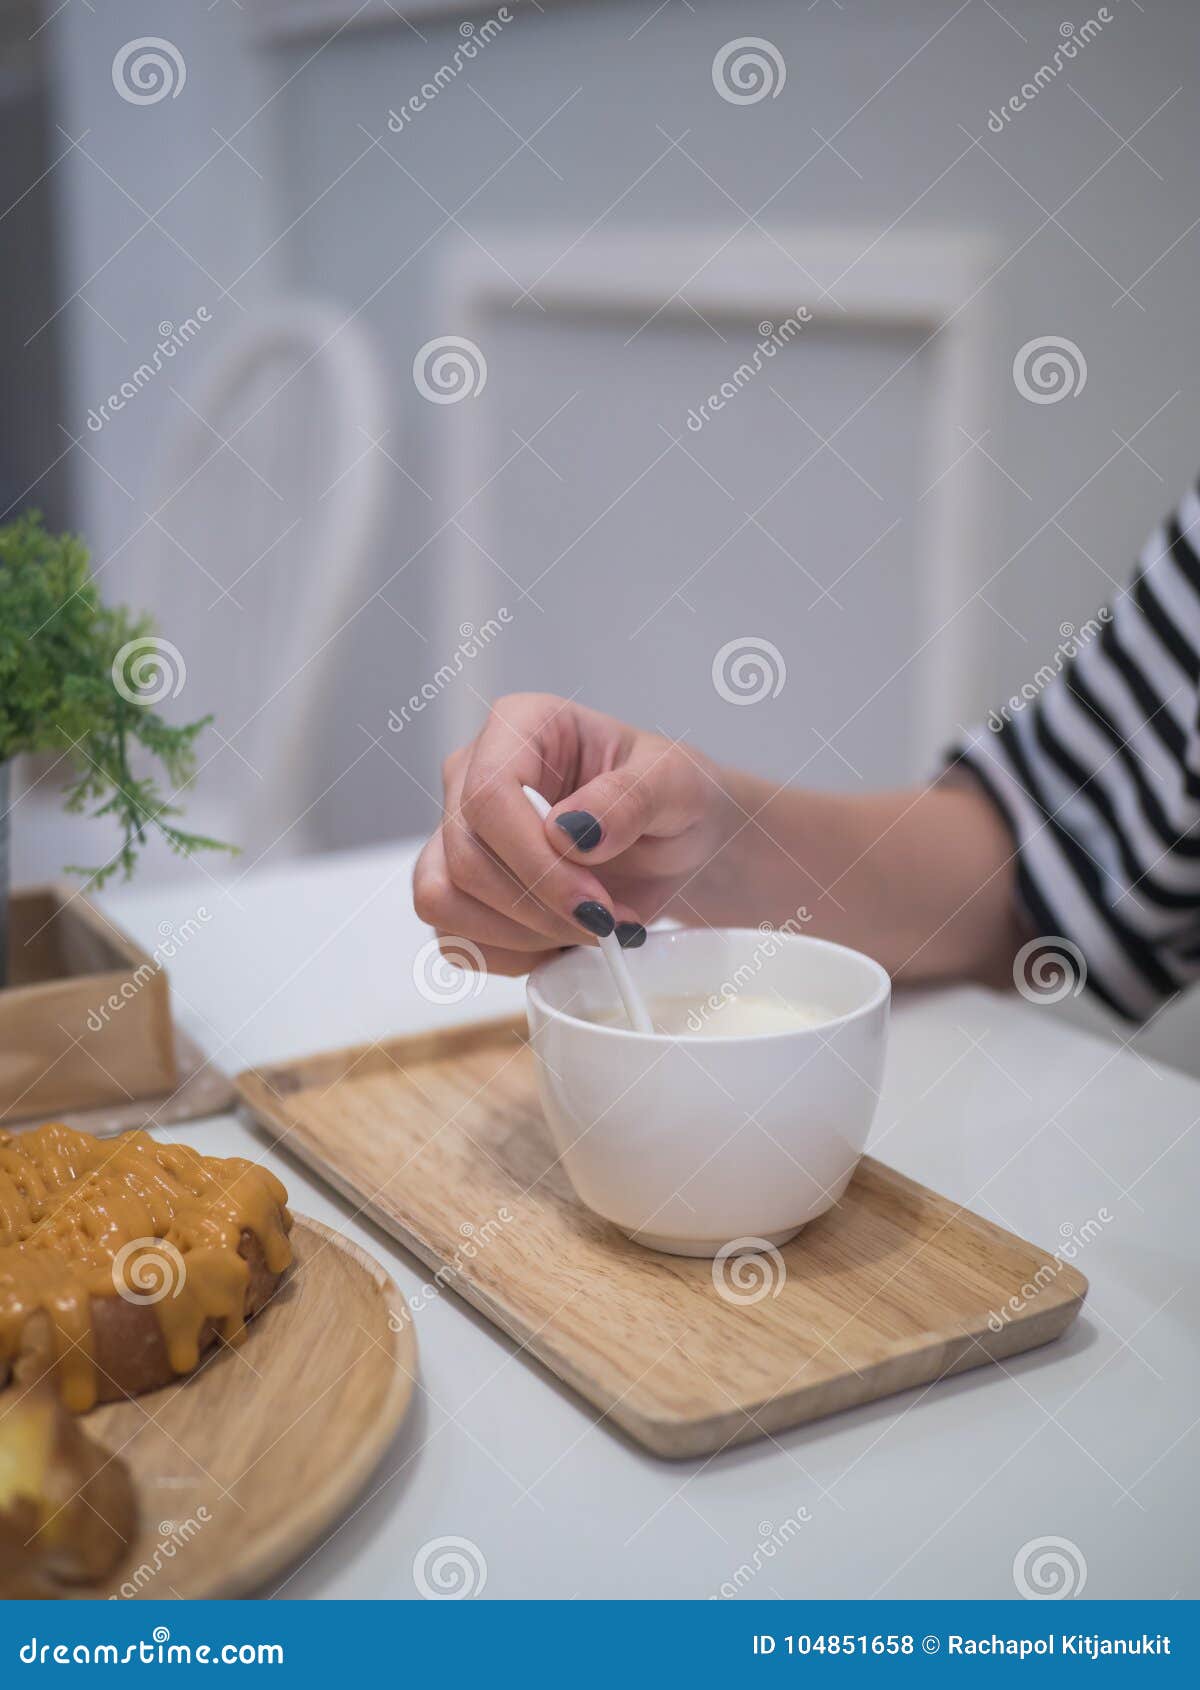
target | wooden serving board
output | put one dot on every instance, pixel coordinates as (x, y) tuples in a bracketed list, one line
[(440, 1139), (243, 1465)]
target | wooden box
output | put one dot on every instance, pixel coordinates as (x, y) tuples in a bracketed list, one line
[(86, 1018)]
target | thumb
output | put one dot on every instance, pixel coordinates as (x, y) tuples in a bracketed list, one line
[(650, 795)]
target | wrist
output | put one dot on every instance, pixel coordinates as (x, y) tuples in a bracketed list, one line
[(719, 889)]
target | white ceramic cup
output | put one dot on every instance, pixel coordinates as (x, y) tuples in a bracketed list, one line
[(690, 1144)]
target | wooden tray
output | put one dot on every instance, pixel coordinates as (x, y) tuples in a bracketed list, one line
[(243, 1465), (441, 1140)]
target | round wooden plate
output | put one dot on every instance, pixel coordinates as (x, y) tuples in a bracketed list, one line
[(242, 1465)]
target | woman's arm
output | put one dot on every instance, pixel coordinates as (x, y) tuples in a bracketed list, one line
[(920, 879), (641, 825)]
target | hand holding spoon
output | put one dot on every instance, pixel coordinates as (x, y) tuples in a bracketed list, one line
[(614, 956)]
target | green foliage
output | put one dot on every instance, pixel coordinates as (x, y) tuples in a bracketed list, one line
[(62, 653)]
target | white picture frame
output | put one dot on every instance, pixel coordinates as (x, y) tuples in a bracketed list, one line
[(932, 283)]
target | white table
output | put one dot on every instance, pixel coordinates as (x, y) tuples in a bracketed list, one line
[(931, 1493)]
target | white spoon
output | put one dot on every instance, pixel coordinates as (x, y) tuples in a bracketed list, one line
[(614, 956)]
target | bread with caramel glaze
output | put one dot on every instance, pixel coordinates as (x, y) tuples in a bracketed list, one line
[(122, 1260)]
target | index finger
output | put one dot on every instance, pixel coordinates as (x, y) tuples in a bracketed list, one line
[(531, 741)]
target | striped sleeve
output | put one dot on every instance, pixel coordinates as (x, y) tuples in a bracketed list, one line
[(1096, 767)]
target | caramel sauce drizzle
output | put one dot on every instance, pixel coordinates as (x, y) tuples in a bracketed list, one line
[(70, 1202)]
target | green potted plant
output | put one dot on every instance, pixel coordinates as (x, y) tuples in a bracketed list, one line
[(78, 681)]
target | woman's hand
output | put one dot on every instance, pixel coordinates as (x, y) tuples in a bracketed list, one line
[(635, 818)]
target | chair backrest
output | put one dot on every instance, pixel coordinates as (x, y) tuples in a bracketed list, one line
[(265, 514)]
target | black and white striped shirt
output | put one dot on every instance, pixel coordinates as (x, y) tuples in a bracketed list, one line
[(1097, 770)]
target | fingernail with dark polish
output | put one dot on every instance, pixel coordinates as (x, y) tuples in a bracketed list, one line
[(581, 828), (630, 934), (595, 918)]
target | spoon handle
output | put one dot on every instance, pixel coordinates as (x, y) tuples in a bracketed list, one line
[(614, 956)]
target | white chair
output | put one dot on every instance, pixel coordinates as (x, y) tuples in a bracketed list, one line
[(263, 519)]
